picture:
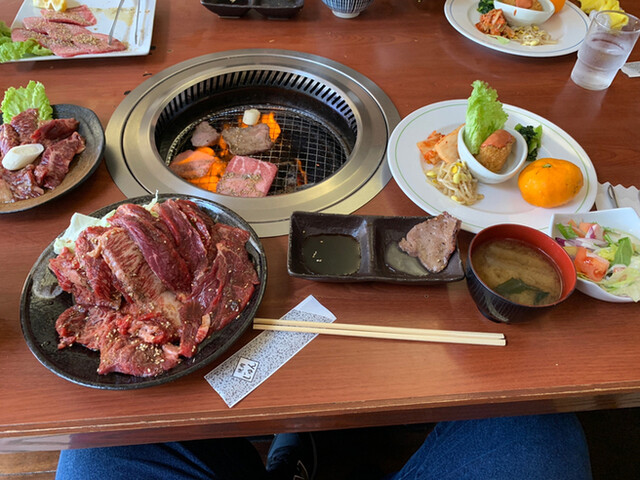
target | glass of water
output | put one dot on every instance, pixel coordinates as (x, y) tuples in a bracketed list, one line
[(605, 49)]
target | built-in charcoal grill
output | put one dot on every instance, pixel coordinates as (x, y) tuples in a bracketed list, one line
[(330, 152)]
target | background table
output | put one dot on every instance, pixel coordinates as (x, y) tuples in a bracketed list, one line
[(581, 356)]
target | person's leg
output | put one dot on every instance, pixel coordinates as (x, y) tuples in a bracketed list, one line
[(537, 447), (219, 459)]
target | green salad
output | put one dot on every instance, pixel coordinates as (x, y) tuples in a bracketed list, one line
[(608, 257)]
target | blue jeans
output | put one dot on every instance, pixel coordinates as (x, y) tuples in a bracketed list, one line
[(538, 447)]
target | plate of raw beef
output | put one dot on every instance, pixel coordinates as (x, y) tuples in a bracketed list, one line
[(65, 170), (82, 31), (152, 294)]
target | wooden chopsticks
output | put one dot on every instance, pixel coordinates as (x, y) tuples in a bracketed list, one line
[(373, 331)]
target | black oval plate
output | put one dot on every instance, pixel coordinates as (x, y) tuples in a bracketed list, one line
[(81, 167), (42, 302)]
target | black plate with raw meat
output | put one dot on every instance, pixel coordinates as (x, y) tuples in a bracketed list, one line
[(82, 166), (42, 302)]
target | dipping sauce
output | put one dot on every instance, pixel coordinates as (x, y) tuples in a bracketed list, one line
[(518, 272), (402, 262), (331, 254)]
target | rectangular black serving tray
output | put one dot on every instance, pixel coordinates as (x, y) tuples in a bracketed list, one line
[(373, 234), (274, 9)]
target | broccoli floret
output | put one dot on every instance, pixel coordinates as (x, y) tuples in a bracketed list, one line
[(485, 6), (533, 136)]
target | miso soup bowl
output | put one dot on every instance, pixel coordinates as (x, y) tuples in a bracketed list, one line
[(496, 307)]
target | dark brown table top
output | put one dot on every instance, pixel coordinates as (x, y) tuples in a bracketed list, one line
[(582, 355)]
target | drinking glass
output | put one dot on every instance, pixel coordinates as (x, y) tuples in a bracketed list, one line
[(605, 49)]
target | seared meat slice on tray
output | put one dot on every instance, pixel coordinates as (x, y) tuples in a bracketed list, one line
[(204, 135), (248, 140), (432, 241)]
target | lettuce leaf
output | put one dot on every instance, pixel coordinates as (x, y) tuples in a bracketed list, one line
[(4, 30), (484, 115), (10, 50), (625, 282), (18, 100)]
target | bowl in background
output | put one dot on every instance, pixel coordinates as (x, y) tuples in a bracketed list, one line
[(347, 8), (512, 166), (498, 308), (624, 219), (521, 17)]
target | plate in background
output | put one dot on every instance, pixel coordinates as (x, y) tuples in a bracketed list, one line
[(81, 167), (568, 28), (105, 11)]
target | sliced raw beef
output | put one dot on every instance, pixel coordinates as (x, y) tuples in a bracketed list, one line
[(247, 177), (97, 272), (62, 37), (248, 140), (191, 164), (135, 279), (204, 135), (156, 244), (23, 183), (202, 223), (237, 287), (54, 165), (5, 192), (71, 277), (25, 123), (187, 239), (50, 131), (132, 356), (230, 236), (85, 325), (80, 15), (9, 138), (61, 48)]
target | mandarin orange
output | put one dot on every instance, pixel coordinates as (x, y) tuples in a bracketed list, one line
[(550, 182), (558, 4)]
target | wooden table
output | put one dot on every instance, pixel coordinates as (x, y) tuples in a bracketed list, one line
[(583, 355)]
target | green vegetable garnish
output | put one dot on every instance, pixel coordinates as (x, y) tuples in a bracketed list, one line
[(516, 285), (485, 6), (4, 30), (17, 100), (624, 252), (10, 50), (567, 232), (533, 136), (484, 115)]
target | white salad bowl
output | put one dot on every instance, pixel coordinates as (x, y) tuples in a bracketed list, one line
[(521, 17), (623, 219), (511, 167)]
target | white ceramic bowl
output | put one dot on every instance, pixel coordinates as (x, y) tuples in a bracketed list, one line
[(624, 219), (511, 167), (520, 17)]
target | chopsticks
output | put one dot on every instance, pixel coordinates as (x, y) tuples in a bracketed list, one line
[(374, 331)]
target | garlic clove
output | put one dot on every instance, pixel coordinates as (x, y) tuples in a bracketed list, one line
[(251, 116), (21, 156)]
